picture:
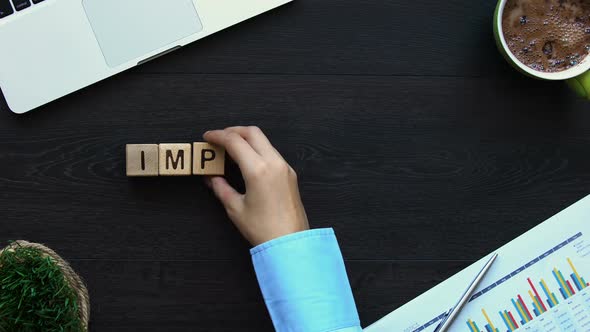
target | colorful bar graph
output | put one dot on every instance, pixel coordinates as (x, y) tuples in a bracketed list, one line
[(506, 321), (526, 309), (569, 291), (489, 326), (513, 320), (577, 279), (537, 298), (569, 285), (567, 288), (538, 309), (577, 282), (546, 291), (564, 291), (519, 312), (551, 299)]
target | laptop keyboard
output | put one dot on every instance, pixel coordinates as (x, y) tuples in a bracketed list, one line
[(8, 7)]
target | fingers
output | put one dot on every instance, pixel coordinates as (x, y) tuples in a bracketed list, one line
[(236, 146), (256, 138), (229, 197)]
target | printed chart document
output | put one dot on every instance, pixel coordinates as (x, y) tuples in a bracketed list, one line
[(539, 283)]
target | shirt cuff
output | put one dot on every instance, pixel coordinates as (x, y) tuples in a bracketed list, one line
[(304, 283)]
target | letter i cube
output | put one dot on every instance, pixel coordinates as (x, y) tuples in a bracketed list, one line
[(142, 159)]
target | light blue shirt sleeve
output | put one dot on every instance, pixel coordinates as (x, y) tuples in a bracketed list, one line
[(304, 283)]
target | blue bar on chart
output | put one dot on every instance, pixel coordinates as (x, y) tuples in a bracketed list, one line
[(551, 298), (505, 319), (522, 319), (568, 289), (489, 326), (576, 282), (537, 302)]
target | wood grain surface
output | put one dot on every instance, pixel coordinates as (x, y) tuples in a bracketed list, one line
[(410, 134)]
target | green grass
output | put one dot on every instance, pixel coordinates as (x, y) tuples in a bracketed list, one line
[(34, 295)]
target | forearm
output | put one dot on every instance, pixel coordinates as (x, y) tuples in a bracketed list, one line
[(304, 283)]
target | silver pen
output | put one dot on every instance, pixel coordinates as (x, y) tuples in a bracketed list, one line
[(454, 311)]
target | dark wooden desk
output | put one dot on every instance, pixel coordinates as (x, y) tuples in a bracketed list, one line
[(411, 135)]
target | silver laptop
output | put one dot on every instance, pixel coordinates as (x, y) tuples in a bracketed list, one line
[(50, 48)]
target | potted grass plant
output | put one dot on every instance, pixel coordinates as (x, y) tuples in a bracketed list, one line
[(40, 292)]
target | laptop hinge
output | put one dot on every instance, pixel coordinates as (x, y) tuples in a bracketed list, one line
[(158, 55)]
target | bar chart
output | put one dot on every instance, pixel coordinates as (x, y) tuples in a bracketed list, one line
[(538, 283), (521, 312), (542, 296)]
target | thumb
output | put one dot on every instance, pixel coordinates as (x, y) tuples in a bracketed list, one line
[(228, 196)]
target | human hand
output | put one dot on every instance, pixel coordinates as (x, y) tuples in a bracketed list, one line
[(271, 206)]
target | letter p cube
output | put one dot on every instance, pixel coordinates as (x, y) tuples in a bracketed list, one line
[(208, 159)]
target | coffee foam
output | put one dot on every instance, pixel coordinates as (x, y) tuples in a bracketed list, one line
[(547, 35)]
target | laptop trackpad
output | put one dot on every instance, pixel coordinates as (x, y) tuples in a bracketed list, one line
[(130, 29)]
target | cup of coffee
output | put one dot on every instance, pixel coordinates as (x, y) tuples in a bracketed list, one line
[(546, 39)]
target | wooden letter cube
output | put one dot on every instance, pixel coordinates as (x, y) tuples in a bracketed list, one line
[(142, 159), (175, 159), (208, 159)]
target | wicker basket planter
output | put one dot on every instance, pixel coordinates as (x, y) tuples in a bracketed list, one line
[(70, 276)]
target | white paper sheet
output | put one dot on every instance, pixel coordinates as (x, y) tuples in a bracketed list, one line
[(532, 256)]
